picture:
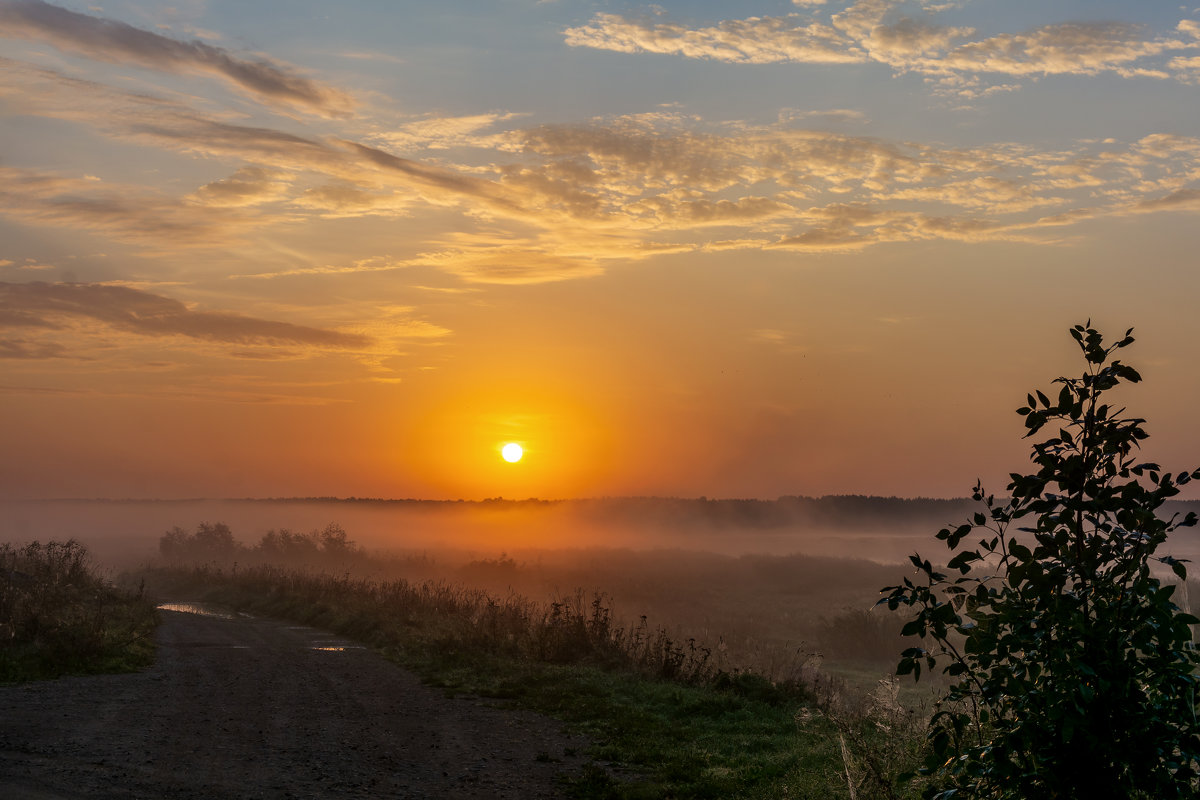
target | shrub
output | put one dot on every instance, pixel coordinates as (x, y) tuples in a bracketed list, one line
[(58, 616), (1074, 668)]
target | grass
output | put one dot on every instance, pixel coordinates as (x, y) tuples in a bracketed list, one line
[(665, 719), (58, 616)]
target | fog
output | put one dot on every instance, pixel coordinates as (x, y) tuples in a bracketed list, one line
[(125, 533), (768, 584)]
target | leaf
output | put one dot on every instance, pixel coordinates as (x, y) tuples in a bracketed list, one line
[(962, 562), (1019, 551), (960, 533)]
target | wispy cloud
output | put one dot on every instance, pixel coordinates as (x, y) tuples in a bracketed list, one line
[(23, 349), (440, 132), (127, 213), (113, 41), (56, 306), (249, 186)]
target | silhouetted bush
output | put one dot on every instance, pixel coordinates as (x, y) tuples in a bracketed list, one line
[(1076, 673)]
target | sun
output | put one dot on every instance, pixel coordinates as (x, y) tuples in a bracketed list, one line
[(512, 452)]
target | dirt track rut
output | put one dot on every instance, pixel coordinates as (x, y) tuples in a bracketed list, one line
[(244, 707)]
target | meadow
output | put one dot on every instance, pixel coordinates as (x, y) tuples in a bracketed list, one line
[(696, 673), (669, 716)]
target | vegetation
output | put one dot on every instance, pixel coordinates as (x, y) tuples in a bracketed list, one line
[(214, 542), (59, 617), (667, 720), (1075, 673)]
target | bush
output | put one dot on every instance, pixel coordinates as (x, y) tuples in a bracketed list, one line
[(1075, 671), (58, 616)]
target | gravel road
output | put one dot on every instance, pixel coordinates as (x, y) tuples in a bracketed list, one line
[(244, 707)]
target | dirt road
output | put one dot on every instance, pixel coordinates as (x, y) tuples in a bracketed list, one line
[(242, 707)]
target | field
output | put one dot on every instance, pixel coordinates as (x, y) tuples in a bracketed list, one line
[(677, 716), (695, 673)]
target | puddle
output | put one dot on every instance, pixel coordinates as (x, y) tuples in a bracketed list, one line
[(201, 609), (337, 648)]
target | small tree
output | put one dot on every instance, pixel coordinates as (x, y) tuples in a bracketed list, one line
[(1074, 671)]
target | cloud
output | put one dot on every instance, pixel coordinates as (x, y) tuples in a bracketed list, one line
[(1084, 48), (371, 264), (990, 193), (689, 214), (430, 176), (345, 199), (156, 121), (249, 186), (23, 349), (125, 213), (880, 31), (508, 264), (832, 114), (113, 41), (896, 42), (54, 306), (355, 175), (1181, 200), (756, 40), (439, 132), (558, 202)]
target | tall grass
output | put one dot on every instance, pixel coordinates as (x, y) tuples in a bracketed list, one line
[(671, 710), (443, 617), (58, 615)]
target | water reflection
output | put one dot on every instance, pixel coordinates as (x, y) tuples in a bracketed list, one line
[(337, 648), (201, 609)]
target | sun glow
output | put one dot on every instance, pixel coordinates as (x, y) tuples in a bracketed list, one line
[(512, 452)]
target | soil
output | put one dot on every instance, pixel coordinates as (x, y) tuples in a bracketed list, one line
[(245, 707)]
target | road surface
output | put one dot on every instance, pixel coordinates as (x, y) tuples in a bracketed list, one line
[(244, 707)]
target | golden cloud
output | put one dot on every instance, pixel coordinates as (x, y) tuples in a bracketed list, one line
[(880, 31)]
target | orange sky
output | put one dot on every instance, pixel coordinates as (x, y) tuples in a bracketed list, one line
[(822, 248)]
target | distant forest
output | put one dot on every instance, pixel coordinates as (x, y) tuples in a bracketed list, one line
[(831, 512)]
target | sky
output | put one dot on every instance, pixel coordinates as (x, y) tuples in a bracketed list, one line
[(692, 249)]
